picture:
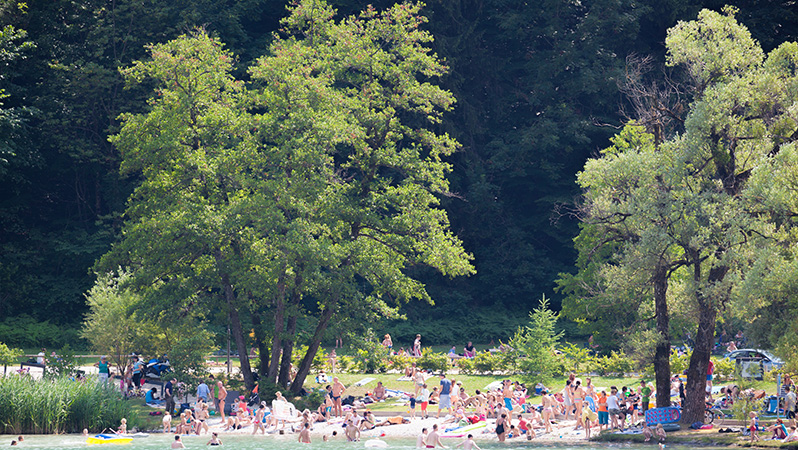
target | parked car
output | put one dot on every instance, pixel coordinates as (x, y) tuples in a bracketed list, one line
[(754, 362)]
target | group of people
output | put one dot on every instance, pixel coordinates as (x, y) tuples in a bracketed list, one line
[(415, 351), (432, 439), (468, 350)]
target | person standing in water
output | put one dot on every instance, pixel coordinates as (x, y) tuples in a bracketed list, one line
[(434, 439)]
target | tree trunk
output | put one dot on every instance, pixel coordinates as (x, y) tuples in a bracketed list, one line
[(235, 322), (238, 335), (304, 367), (662, 362), (288, 349), (694, 407), (279, 323), (260, 342)]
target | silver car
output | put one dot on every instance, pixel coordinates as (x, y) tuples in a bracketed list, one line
[(753, 363)]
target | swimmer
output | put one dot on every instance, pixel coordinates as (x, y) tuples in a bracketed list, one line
[(178, 443), (469, 443), (304, 435), (214, 439), (202, 416), (259, 415), (421, 440)]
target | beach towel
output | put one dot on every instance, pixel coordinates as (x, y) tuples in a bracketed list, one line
[(364, 381), (404, 378), (396, 393), (463, 431), (495, 385)]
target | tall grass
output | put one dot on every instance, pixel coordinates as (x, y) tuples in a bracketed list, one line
[(58, 406)]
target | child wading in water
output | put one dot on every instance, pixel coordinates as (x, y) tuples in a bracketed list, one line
[(122, 427), (167, 422)]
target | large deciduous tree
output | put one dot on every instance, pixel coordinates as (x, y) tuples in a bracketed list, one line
[(311, 193), (689, 203)]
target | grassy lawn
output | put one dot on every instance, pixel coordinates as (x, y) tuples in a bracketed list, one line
[(471, 383)]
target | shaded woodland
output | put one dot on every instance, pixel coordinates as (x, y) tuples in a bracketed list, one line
[(538, 88)]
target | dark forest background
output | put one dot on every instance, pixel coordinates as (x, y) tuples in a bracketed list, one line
[(537, 85)]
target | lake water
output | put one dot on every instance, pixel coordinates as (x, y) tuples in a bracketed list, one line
[(161, 442)]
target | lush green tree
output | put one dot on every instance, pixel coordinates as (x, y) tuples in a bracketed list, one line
[(113, 327), (386, 167), (631, 208), (537, 343), (8, 355), (336, 189), (691, 194), (742, 118)]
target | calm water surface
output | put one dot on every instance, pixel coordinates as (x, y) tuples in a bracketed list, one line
[(161, 442)]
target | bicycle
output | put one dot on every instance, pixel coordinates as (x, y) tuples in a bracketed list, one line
[(714, 415)]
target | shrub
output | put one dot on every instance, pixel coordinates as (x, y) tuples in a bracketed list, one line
[(466, 366), (724, 368), (310, 401), (268, 391), (64, 365), (615, 364), (25, 331), (486, 363), (9, 356), (398, 362), (369, 355), (577, 359), (436, 362), (679, 362), (344, 363), (507, 360), (319, 359)]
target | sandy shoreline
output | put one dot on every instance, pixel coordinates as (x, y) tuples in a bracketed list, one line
[(563, 431)]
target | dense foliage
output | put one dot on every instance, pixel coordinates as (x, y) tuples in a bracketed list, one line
[(537, 93), (696, 222)]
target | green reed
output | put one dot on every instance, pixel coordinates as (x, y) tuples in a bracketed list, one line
[(59, 406)]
